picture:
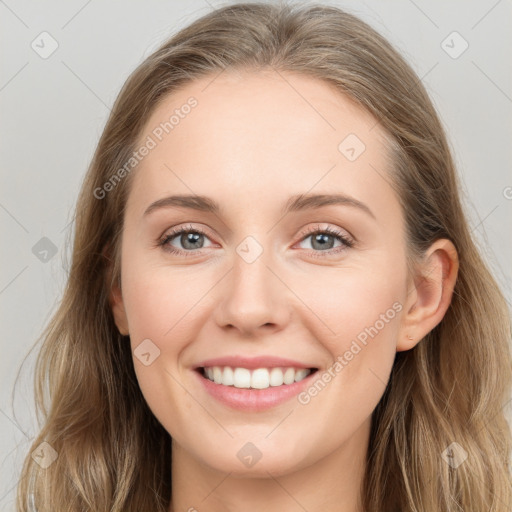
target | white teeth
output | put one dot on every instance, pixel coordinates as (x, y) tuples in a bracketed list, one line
[(301, 374), (276, 377), (289, 376), (260, 378), (217, 375), (241, 378), (228, 378)]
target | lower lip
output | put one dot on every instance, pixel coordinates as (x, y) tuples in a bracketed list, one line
[(253, 400)]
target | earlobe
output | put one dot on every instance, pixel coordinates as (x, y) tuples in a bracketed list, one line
[(117, 306), (431, 295), (115, 297)]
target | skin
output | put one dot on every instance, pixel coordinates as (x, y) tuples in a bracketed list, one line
[(253, 140)]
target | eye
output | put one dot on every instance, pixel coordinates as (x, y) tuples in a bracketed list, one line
[(324, 239), (191, 239)]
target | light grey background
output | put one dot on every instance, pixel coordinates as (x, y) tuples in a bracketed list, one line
[(53, 111)]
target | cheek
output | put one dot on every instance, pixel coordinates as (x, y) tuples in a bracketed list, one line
[(158, 309), (168, 307), (347, 303), (357, 316), (159, 302), (358, 324)]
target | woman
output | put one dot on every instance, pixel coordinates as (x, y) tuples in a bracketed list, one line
[(274, 282)]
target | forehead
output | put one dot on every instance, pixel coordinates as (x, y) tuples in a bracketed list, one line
[(253, 134)]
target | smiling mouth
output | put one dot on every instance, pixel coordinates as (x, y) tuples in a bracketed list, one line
[(259, 378)]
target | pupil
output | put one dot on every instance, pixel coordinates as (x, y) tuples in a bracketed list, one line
[(190, 238), (320, 238)]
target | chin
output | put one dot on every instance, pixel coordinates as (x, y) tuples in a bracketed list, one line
[(247, 462)]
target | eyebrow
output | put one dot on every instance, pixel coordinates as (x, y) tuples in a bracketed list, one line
[(294, 203)]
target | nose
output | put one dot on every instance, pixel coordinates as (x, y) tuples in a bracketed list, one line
[(253, 298)]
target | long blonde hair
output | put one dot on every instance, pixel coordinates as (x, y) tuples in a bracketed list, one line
[(451, 388)]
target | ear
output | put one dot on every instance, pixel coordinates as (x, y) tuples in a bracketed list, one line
[(430, 293), (115, 295)]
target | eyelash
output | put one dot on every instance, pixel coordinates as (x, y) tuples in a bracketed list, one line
[(347, 243)]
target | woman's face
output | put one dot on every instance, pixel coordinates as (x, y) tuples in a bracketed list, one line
[(302, 265)]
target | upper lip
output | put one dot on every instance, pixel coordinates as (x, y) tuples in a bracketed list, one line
[(253, 362)]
